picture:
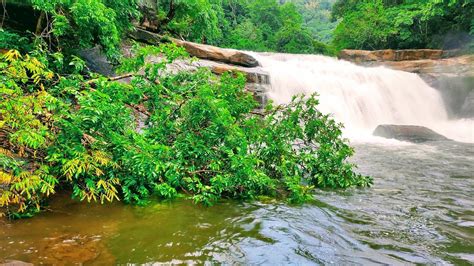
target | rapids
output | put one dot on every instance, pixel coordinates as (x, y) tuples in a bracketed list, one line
[(360, 97)]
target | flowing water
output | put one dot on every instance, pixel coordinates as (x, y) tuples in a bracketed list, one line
[(360, 97), (419, 211)]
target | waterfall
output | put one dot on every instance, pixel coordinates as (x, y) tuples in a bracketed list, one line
[(361, 97)]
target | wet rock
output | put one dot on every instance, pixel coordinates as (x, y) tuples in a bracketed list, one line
[(451, 67), (390, 55), (252, 75), (15, 263), (467, 109), (408, 133), (447, 71), (431, 64), (97, 62), (202, 51), (457, 94)]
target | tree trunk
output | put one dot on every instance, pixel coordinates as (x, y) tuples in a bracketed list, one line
[(39, 24)]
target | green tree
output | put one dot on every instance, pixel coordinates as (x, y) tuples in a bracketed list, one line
[(365, 28), (404, 24), (195, 20), (246, 36), (70, 25)]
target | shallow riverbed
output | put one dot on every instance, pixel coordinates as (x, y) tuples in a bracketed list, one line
[(420, 210)]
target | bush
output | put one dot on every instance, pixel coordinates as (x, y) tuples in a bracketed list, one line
[(10, 40)]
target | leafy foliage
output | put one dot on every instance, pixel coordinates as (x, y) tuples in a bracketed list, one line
[(69, 25), (404, 24), (260, 25), (196, 20), (27, 117), (317, 18), (163, 134), (12, 40)]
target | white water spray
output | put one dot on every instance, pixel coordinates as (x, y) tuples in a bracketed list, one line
[(360, 97)]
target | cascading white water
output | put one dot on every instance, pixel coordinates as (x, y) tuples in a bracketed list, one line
[(360, 97)]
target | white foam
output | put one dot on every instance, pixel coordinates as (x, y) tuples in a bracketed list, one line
[(361, 97)]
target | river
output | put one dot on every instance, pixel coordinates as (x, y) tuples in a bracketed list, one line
[(420, 210)]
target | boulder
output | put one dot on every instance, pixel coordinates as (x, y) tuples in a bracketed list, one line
[(253, 75), (15, 263), (467, 109), (229, 56), (409, 133), (97, 62)]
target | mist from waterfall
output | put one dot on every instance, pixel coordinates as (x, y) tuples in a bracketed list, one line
[(361, 97)]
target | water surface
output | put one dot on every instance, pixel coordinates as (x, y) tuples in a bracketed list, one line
[(420, 210)]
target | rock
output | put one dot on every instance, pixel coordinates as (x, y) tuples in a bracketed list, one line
[(449, 72), (15, 263), (457, 94), (251, 74), (454, 66), (390, 55), (97, 62), (209, 52), (258, 81), (202, 51), (408, 133), (429, 63), (467, 109)]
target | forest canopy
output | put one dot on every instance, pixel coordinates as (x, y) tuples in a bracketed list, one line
[(404, 24), (290, 26)]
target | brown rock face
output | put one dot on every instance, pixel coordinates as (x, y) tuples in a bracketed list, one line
[(202, 51), (430, 63), (452, 75), (252, 75), (218, 54), (390, 55)]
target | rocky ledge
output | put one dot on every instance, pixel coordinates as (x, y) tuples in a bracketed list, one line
[(218, 60), (390, 55), (429, 63), (229, 56), (452, 75)]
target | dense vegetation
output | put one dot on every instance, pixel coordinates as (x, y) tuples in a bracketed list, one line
[(199, 136), (302, 26), (293, 26), (163, 134), (317, 17), (402, 24), (259, 25)]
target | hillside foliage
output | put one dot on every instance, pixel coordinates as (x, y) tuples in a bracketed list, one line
[(404, 24)]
